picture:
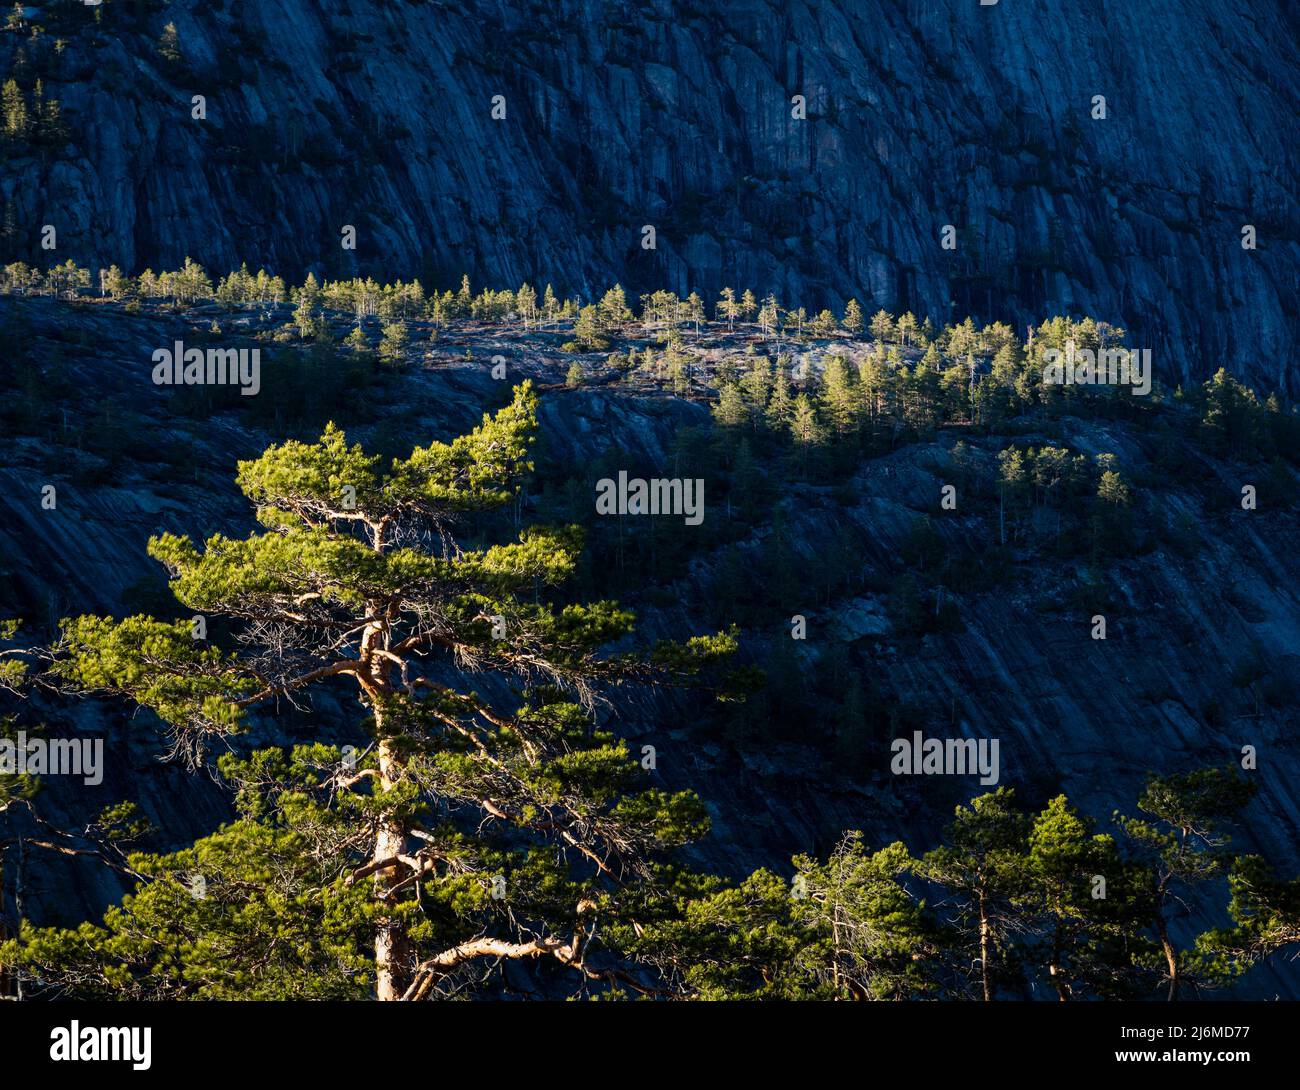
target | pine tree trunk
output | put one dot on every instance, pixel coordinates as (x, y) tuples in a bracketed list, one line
[(1171, 958), (1055, 968), (984, 948), (390, 944)]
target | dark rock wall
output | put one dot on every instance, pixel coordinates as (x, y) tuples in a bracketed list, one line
[(1091, 719), (678, 115)]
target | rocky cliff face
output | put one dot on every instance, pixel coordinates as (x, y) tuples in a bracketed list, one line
[(1089, 718), (679, 116)]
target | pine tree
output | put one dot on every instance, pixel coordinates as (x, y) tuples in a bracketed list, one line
[(695, 310), (756, 386), (824, 325), (115, 283), (15, 110), (730, 410), (550, 305), (873, 384), (190, 283), (838, 398), (1183, 843), (728, 308), (1266, 921), (465, 836), (805, 429), (587, 332), (526, 303), (962, 340), (853, 320), (922, 397), (677, 372), (307, 316), (844, 929), (984, 866), (1233, 419), (873, 929), (613, 309), (780, 409), (1013, 475), (1078, 935), (357, 340), (1112, 522), (169, 45), (52, 130), (393, 344)]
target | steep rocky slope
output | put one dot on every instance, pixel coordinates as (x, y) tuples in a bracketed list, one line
[(1089, 718), (678, 115)]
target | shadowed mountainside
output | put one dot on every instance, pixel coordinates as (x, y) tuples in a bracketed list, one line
[(677, 115), (1088, 718)]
